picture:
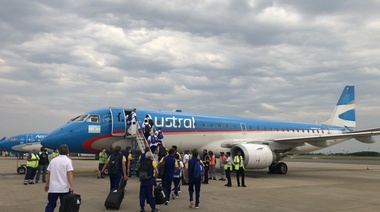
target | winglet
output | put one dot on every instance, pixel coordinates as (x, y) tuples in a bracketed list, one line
[(344, 112)]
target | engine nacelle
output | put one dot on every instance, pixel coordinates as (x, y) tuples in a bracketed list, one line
[(256, 156)]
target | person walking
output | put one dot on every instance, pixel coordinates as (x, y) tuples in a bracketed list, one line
[(194, 183), (31, 167), (146, 185), (59, 181), (116, 168), (170, 165), (42, 165), (102, 161), (177, 177), (239, 168)]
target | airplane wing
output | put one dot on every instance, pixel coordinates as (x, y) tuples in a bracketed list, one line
[(364, 136)]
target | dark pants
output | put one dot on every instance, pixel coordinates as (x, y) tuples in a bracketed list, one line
[(228, 175), (239, 173), (167, 186), (41, 170), (52, 201), (30, 173), (176, 182), (115, 180), (146, 194), (197, 184), (205, 177)]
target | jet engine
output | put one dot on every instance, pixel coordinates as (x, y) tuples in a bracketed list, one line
[(256, 156)]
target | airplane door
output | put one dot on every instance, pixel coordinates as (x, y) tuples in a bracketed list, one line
[(29, 140), (243, 128), (118, 121)]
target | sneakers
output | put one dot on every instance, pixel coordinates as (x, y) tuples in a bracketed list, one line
[(155, 210), (191, 205), (197, 206), (166, 203), (244, 186)]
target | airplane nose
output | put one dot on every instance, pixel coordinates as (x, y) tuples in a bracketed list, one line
[(54, 139)]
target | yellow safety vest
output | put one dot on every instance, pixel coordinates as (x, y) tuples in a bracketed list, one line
[(227, 165), (239, 160), (54, 154), (34, 163)]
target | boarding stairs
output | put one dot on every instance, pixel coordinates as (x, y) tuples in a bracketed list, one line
[(138, 140)]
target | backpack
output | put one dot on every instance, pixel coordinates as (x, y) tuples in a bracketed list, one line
[(129, 117), (145, 169), (160, 135), (161, 170), (177, 172), (162, 151), (150, 122), (113, 166), (153, 139), (198, 170), (147, 128)]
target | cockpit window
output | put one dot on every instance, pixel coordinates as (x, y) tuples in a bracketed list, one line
[(93, 118), (13, 139), (79, 118)]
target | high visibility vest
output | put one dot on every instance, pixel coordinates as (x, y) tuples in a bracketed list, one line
[(53, 155), (239, 160), (227, 165), (212, 160), (34, 163)]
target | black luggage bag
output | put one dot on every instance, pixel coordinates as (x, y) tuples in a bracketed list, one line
[(71, 202), (114, 199), (159, 195)]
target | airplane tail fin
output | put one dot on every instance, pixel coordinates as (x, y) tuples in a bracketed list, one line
[(344, 112)]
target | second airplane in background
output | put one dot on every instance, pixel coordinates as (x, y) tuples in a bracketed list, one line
[(263, 143)]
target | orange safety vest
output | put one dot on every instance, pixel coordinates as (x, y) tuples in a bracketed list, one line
[(212, 160)]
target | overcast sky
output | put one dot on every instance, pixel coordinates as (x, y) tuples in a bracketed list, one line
[(283, 59)]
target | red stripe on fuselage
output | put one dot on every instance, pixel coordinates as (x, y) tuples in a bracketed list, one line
[(87, 144)]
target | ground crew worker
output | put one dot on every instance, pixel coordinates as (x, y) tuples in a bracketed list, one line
[(239, 168), (54, 154), (102, 161), (228, 168), (31, 167), (222, 160)]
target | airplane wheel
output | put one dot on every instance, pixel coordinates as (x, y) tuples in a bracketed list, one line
[(272, 169), (282, 168), (21, 170), (105, 171)]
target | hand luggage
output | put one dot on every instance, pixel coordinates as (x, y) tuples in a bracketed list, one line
[(114, 199), (123, 184), (71, 202), (159, 195)]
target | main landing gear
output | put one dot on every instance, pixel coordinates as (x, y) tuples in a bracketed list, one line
[(278, 168)]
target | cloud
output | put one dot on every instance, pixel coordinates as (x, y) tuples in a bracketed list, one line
[(284, 60)]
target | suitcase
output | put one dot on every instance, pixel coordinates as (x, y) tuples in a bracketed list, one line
[(159, 195), (114, 199), (71, 202), (123, 184)]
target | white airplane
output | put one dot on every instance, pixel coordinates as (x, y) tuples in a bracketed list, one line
[(263, 143)]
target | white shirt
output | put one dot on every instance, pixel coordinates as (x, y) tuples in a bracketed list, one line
[(58, 168), (185, 158)]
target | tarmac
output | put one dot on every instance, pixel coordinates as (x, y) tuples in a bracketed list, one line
[(309, 185)]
